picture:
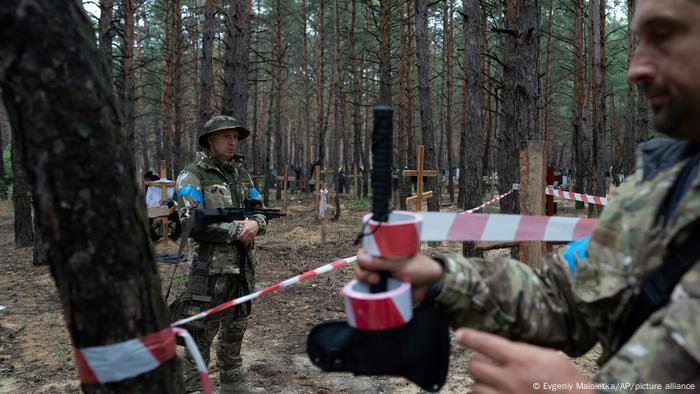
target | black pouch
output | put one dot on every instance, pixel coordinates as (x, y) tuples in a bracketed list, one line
[(419, 350)]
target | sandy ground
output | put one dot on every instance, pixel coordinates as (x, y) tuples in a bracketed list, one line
[(36, 353)]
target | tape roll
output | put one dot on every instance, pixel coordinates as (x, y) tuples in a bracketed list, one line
[(378, 311), (399, 237)]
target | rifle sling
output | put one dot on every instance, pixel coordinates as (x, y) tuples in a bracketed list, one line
[(246, 308)]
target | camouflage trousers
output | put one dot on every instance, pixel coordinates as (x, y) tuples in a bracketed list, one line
[(230, 328)]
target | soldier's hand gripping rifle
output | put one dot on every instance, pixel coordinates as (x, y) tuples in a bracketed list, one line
[(206, 216), (384, 335)]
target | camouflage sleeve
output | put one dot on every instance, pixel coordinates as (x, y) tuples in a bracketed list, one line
[(189, 197), (664, 353), (508, 298), (262, 223), (248, 185)]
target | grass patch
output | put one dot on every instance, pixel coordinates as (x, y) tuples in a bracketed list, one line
[(359, 204)]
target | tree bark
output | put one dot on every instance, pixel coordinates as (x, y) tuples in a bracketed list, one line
[(449, 87), (357, 160), (236, 60), (472, 144), (424, 95), (597, 101), (177, 91), (206, 79), (21, 189), (279, 92), (509, 147), (319, 87), (127, 92), (69, 130), (105, 34), (548, 85), (527, 71), (630, 140), (404, 117), (166, 99), (385, 52), (581, 137)]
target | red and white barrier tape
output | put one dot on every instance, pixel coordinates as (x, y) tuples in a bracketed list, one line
[(576, 196), (378, 311), (198, 360), (124, 360), (489, 202), (443, 226), (398, 237), (296, 279)]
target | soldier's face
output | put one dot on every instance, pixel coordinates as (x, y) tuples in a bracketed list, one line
[(667, 64), (224, 144)]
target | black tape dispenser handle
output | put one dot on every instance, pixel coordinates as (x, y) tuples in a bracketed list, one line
[(381, 174)]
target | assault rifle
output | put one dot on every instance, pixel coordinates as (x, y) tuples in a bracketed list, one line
[(206, 216)]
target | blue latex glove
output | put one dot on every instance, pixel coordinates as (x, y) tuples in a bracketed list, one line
[(576, 248)]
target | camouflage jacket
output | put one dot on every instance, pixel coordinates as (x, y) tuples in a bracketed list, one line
[(572, 306), (210, 183)]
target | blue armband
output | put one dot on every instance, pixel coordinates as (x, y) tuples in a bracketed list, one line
[(254, 193), (192, 193), (576, 248)]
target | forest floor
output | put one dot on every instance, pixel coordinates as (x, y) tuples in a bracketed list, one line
[(36, 354)]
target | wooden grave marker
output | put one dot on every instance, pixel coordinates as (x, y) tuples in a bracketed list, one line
[(162, 212), (420, 173)]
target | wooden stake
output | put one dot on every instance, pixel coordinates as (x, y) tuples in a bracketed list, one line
[(532, 170)]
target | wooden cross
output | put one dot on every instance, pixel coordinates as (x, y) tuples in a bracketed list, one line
[(356, 181), (420, 173), (162, 213)]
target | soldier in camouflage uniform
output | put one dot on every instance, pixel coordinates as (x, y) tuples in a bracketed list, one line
[(219, 179), (585, 293)]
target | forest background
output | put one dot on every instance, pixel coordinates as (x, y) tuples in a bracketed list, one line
[(467, 79)]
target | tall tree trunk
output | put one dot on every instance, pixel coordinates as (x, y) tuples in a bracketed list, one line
[(507, 158), (337, 91), (356, 98), (236, 60), (21, 190), (581, 137), (207, 66), (306, 120), (491, 95), (424, 95), (403, 119), (279, 92), (471, 151), (108, 285), (177, 91), (166, 99), (105, 34), (320, 46), (385, 52), (449, 84), (410, 87), (527, 71), (546, 115), (597, 100), (127, 92)]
